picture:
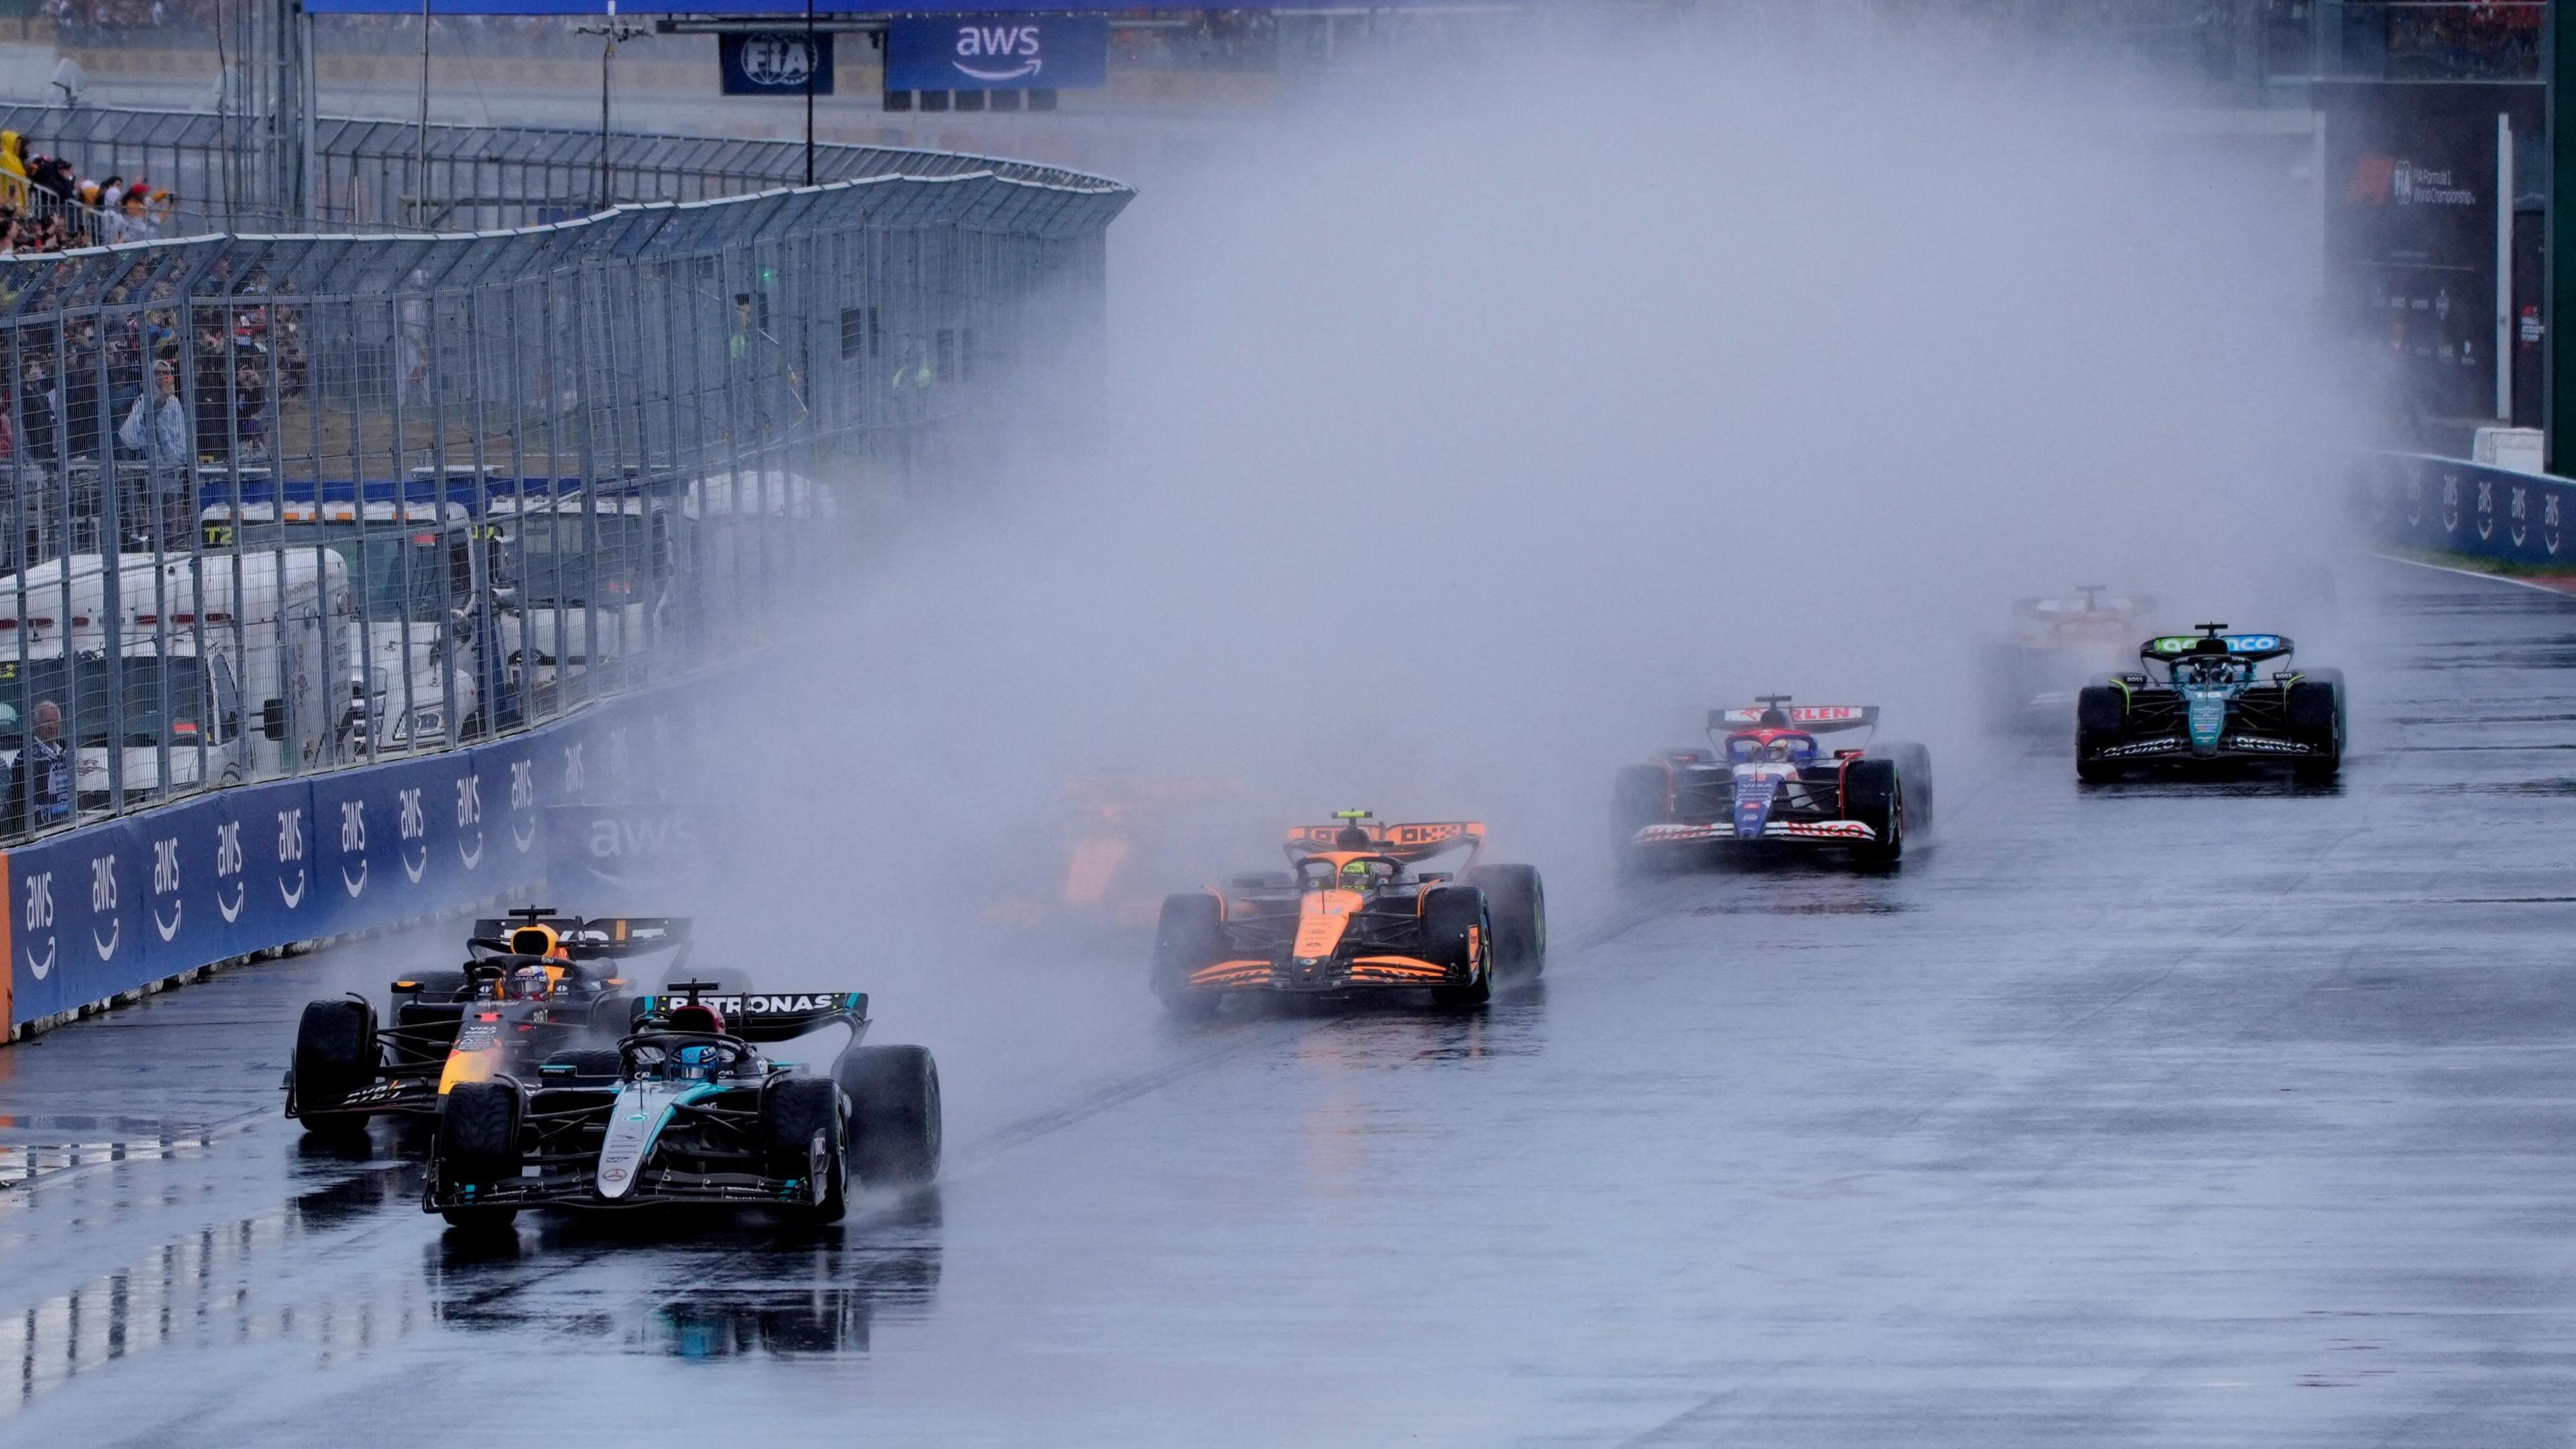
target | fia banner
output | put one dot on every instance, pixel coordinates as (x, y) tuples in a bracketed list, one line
[(775, 62)]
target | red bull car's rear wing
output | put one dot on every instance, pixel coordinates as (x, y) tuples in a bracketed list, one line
[(535, 933)]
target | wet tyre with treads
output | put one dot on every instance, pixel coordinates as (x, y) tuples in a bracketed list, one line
[(1190, 935), (335, 1055), (805, 1134), (1518, 904), (894, 1109), (1458, 932), (478, 1147), (1874, 794), (2316, 713), (2101, 721)]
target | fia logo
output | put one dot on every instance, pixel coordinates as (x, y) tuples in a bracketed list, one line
[(776, 60)]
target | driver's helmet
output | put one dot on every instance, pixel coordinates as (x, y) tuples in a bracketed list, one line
[(696, 1062), (1781, 751), (530, 983), (1355, 875)]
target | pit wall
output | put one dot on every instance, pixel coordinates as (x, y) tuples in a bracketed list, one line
[(107, 911), (2414, 500)]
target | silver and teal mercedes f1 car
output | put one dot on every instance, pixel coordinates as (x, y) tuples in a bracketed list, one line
[(687, 1109)]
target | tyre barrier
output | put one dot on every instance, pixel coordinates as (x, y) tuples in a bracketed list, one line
[(2415, 500), (123, 906)]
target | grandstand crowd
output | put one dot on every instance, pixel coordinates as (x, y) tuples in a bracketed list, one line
[(46, 205)]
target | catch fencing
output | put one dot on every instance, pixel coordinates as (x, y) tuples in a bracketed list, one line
[(333, 561), (285, 504), (394, 175)]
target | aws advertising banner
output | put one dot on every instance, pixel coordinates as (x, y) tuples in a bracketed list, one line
[(112, 907), (2411, 198), (997, 51)]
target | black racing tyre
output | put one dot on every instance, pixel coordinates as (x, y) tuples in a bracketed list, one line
[(1637, 800), (894, 1105), (1914, 772), (1458, 932), (2316, 713), (2101, 721), (1518, 904), (478, 1145), (796, 1114), (335, 1054), (1874, 794), (1190, 935)]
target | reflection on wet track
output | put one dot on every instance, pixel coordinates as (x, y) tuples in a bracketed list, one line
[(2170, 1112)]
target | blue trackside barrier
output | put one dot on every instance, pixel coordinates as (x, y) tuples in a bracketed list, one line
[(2418, 501), (102, 910)]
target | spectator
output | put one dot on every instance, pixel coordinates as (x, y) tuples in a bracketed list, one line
[(157, 429), (13, 171), (40, 788), (36, 408)]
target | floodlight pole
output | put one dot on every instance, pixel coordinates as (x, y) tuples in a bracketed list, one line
[(614, 32), (420, 171), (2557, 369), (811, 66)]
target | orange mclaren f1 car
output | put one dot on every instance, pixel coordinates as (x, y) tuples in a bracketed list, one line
[(1351, 915)]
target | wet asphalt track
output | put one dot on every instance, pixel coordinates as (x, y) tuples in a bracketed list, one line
[(2149, 1115)]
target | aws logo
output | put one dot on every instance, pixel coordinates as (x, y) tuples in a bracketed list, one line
[(999, 52)]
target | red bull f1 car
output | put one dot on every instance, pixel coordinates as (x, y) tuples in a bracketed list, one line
[(687, 1109), (2212, 704), (1768, 781), (1352, 915), (534, 982)]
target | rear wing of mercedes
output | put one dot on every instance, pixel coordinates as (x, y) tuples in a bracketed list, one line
[(1815, 719), (765, 1016), (1411, 842)]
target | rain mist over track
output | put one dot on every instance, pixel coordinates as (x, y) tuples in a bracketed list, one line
[(1458, 454)]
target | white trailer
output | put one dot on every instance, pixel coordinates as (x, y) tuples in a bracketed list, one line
[(196, 672), (418, 580)]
